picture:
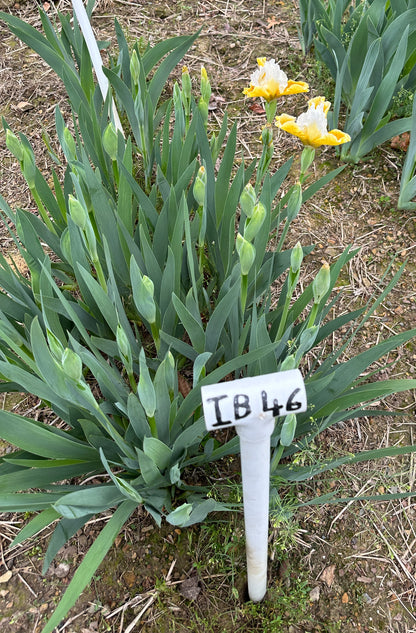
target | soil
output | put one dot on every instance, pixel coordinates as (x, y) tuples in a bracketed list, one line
[(332, 567)]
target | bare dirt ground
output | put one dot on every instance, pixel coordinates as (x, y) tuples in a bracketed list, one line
[(333, 568)]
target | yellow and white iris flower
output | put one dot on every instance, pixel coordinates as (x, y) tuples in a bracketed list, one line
[(270, 82), (311, 126)]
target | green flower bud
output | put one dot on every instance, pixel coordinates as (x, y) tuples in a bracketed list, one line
[(110, 141), (248, 199), (29, 166), (150, 302), (179, 107), (78, 212), (205, 86), (14, 145), (294, 202), (246, 253), (254, 223), (186, 86), (135, 68), (66, 246), (70, 143), (288, 431), (199, 186), (123, 342), (55, 345), (72, 365), (145, 388), (288, 363), (267, 135), (203, 110), (296, 258), (321, 283), (143, 296), (307, 339), (170, 371)]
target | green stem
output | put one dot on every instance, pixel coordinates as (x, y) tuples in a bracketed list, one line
[(270, 108), (156, 336), (312, 315), (100, 274), (283, 318), (283, 236), (263, 165), (153, 426), (277, 456), (244, 285), (132, 381), (116, 172), (42, 210)]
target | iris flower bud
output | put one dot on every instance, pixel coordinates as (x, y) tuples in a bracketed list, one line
[(267, 135), (110, 141), (296, 258), (78, 212), (135, 68), (288, 363), (70, 143), (294, 202), (246, 253), (122, 342), (199, 186), (72, 365), (254, 223), (288, 430), (205, 86), (321, 283), (145, 388), (248, 199), (186, 85), (203, 110), (143, 295)]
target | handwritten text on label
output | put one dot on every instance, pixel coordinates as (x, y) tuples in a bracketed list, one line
[(241, 401)]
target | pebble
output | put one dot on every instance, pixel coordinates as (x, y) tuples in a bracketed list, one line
[(314, 595), (62, 570)]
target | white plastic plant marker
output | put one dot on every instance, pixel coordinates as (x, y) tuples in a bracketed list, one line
[(251, 405), (94, 52)]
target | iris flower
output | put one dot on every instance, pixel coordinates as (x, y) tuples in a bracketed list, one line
[(311, 126), (270, 82)]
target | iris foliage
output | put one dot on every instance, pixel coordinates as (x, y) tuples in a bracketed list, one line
[(137, 285), (369, 49)]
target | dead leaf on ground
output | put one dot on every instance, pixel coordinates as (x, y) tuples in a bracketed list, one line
[(23, 106), (401, 141), (6, 577), (328, 575), (272, 22), (256, 108)]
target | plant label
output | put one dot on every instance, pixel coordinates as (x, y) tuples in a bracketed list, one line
[(247, 400)]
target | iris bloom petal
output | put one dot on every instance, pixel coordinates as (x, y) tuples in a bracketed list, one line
[(311, 126), (270, 82)]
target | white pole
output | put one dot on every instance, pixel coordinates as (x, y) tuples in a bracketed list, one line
[(95, 56), (255, 470), (251, 405)]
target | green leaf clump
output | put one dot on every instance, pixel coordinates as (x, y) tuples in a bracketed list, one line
[(149, 274)]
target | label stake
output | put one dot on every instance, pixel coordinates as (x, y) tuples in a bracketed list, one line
[(251, 405)]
